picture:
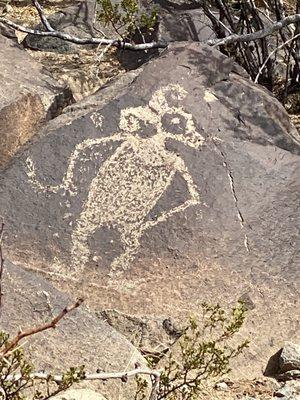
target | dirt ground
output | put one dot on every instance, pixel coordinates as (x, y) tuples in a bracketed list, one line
[(259, 389)]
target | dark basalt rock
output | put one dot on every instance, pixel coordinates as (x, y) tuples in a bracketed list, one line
[(182, 188)]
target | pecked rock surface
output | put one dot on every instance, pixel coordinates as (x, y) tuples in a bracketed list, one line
[(28, 97), (79, 339), (181, 188)]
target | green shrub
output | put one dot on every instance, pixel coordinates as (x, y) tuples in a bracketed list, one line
[(126, 18), (202, 353), (17, 380)]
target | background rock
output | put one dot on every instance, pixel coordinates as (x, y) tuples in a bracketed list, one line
[(238, 233), (84, 72), (184, 25), (272, 367), (76, 20), (28, 97), (293, 374), (176, 23), (79, 339)]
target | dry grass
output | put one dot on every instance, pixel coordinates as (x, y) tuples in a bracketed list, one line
[(27, 15), (260, 389), (82, 71)]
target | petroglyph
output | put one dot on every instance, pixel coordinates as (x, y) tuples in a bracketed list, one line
[(129, 183)]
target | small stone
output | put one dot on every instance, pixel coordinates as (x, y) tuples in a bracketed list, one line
[(289, 391), (293, 374), (289, 375), (290, 357), (246, 299), (8, 8), (221, 386)]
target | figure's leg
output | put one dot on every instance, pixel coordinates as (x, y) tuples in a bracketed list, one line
[(131, 242), (80, 250)]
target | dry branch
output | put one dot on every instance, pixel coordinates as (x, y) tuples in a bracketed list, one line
[(11, 345), (59, 378), (104, 376), (42, 16), (249, 37), (120, 44), (272, 53)]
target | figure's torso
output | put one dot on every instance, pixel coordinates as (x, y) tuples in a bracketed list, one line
[(131, 181)]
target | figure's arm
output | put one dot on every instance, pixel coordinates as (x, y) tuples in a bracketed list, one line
[(193, 200), (67, 182)]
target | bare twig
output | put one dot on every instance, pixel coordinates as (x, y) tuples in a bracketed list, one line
[(155, 387), (271, 54), (265, 15), (277, 26), (11, 345), (214, 20), (42, 16), (103, 376), (120, 44), (99, 30), (105, 50)]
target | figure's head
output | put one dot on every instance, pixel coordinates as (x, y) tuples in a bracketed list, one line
[(176, 123), (179, 125), (139, 121), (164, 117)]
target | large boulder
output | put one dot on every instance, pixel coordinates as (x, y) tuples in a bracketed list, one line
[(182, 187), (80, 338), (28, 97)]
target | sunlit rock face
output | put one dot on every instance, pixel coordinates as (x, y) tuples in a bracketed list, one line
[(28, 98), (181, 188), (79, 338)]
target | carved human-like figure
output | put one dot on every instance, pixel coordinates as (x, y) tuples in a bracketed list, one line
[(129, 184)]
